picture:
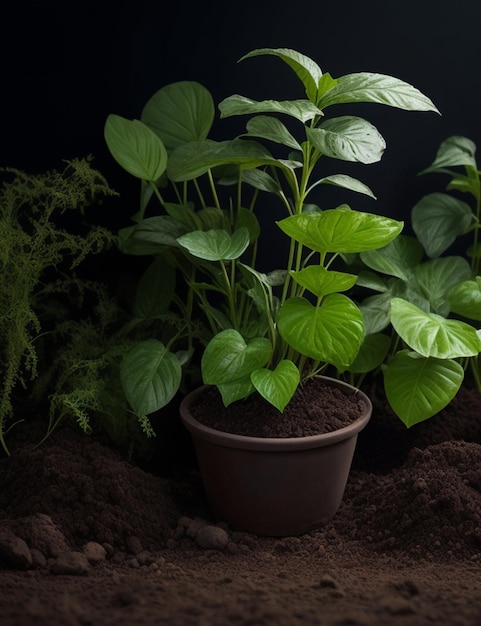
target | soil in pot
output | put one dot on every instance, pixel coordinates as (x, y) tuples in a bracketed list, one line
[(316, 408)]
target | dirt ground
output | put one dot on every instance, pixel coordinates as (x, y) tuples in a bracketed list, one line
[(90, 539)]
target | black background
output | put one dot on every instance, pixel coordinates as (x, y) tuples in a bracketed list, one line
[(67, 65)]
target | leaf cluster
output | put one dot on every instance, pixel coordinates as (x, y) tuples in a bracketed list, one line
[(268, 331), (422, 323)]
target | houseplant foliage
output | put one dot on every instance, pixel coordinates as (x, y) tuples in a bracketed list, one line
[(265, 331), (38, 262), (423, 321)]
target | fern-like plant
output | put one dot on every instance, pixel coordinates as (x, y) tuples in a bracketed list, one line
[(37, 256)]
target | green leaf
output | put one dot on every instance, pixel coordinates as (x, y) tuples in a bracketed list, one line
[(150, 236), (135, 147), (397, 258), (438, 219), (341, 230), (305, 68), (155, 290), (215, 244), (376, 312), (320, 281), (150, 376), (191, 160), (454, 151), (180, 112), (432, 335), (372, 353), (437, 276), (272, 129), (417, 388), (346, 182), (348, 138), (376, 88), (261, 180), (302, 110), (279, 385), (331, 332), (227, 357), (236, 390), (465, 299)]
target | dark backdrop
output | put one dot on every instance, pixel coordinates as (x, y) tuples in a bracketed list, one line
[(67, 65)]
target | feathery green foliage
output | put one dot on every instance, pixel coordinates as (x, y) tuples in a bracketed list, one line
[(36, 255)]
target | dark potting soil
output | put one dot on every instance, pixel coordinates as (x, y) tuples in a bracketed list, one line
[(316, 408), (88, 538)]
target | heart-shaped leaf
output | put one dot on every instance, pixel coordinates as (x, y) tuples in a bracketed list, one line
[(320, 281), (341, 230), (150, 376), (331, 332), (432, 335), (417, 387), (227, 357), (279, 385)]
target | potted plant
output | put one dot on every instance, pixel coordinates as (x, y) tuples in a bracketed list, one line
[(272, 336), (421, 323)]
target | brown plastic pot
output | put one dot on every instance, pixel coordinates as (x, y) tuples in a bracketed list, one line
[(275, 487)]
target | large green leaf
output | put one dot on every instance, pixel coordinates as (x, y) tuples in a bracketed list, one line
[(348, 138), (180, 112), (320, 281), (454, 151), (377, 88), (194, 159), (436, 276), (438, 219), (215, 244), (417, 388), (465, 299), (432, 335), (227, 357), (150, 376), (272, 129), (341, 230), (302, 110), (397, 258), (279, 385), (135, 147), (306, 69), (331, 332)]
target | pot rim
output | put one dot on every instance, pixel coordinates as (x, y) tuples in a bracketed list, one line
[(275, 444)]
